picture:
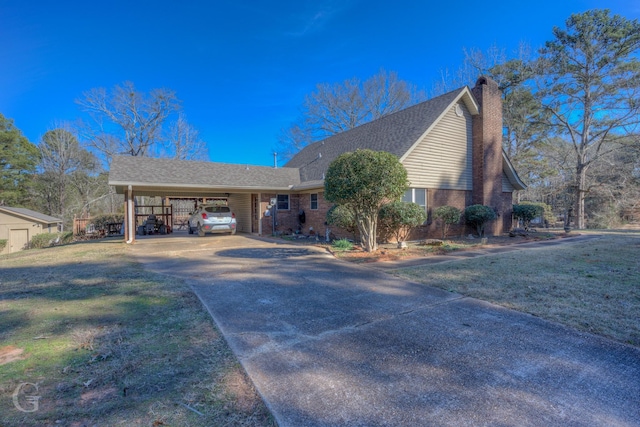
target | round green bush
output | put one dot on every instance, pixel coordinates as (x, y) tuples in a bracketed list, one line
[(478, 216)]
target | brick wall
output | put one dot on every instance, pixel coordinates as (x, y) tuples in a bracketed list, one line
[(487, 182), (487, 153), (288, 221)]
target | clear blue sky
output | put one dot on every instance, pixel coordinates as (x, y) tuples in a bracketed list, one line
[(242, 68)]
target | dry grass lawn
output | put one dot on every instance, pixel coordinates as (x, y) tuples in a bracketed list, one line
[(109, 344), (592, 286)]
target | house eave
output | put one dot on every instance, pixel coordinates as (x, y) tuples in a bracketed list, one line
[(312, 185), (146, 187), (511, 173)]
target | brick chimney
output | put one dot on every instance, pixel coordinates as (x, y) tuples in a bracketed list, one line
[(487, 150)]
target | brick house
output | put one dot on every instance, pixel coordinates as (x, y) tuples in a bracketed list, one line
[(451, 147)]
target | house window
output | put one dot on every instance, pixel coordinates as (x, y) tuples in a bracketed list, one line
[(314, 201), (283, 202), (417, 196)]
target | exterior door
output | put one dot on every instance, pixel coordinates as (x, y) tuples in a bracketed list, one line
[(18, 240)]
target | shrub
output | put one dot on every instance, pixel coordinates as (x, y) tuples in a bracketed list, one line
[(43, 240), (66, 237), (100, 222), (342, 245), (527, 212), (364, 180), (546, 211), (342, 216), (3, 244), (448, 215), (477, 216), (399, 218)]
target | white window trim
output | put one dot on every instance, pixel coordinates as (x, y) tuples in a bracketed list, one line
[(413, 196), (288, 202), (311, 202)]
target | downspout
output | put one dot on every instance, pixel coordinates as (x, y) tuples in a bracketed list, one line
[(130, 223)]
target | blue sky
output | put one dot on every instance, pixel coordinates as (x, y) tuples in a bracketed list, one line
[(242, 68)]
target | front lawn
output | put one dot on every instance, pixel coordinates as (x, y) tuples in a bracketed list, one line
[(109, 344), (592, 286)]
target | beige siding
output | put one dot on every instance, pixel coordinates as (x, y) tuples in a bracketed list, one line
[(506, 184), (17, 231), (241, 206), (442, 159)]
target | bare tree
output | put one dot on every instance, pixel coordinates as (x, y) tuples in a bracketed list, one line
[(184, 141), (335, 108), (476, 62), (63, 160), (126, 121)]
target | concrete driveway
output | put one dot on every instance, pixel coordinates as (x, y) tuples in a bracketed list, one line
[(329, 343)]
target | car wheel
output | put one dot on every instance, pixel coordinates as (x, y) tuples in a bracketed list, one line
[(200, 231)]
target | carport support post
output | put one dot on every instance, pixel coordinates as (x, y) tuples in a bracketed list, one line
[(129, 218)]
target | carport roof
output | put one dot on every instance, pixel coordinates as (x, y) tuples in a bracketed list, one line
[(149, 173)]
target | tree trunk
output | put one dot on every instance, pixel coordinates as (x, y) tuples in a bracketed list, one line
[(367, 228), (581, 192)]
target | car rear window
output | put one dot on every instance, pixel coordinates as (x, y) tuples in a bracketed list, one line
[(217, 209)]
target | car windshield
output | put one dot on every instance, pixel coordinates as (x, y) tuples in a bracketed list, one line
[(217, 209)]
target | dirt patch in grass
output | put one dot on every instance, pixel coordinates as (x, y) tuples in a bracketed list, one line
[(592, 285), (110, 344), (10, 353)]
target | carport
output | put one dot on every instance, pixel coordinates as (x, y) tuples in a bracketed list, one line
[(248, 189)]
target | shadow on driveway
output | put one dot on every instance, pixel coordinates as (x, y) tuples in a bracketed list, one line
[(334, 344)]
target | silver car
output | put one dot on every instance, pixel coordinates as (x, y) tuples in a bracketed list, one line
[(212, 219)]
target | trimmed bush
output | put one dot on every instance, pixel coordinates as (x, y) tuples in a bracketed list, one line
[(526, 213), (478, 216), (524, 209), (399, 218), (342, 216), (448, 215), (3, 244)]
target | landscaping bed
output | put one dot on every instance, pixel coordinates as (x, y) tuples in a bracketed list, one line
[(434, 247)]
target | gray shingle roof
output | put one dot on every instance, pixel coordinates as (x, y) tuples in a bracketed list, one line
[(31, 214), (395, 133), (168, 172)]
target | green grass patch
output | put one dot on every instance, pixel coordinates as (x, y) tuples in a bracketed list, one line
[(342, 245), (592, 286), (110, 344)]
